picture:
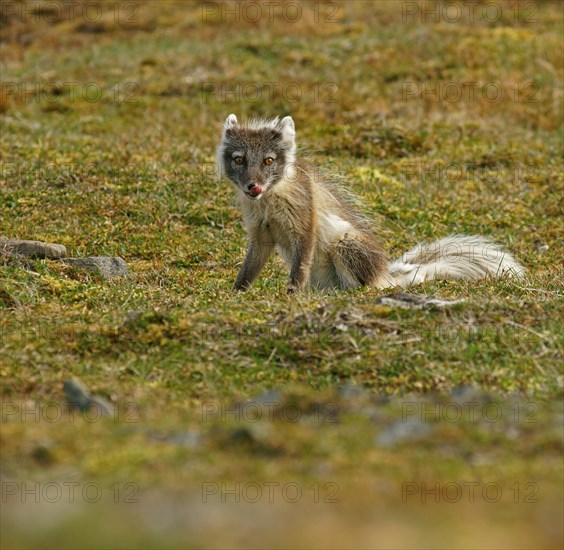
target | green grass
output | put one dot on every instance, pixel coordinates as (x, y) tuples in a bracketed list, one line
[(132, 175)]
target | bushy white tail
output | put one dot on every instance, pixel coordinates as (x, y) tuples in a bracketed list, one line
[(454, 257)]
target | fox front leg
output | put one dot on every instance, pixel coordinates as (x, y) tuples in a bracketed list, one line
[(302, 258), (258, 252)]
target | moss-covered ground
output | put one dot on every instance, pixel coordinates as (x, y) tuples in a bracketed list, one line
[(110, 115)]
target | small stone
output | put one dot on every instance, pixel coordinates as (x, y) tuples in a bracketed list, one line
[(104, 266), (352, 391), (189, 439), (101, 406), (400, 432), (32, 249), (80, 398), (541, 247), (77, 395), (270, 397), (466, 393), (132, 316)]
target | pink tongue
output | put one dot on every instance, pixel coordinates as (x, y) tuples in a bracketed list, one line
[(255, 191)]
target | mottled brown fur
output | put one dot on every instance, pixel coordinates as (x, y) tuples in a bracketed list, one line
[(319, 233)]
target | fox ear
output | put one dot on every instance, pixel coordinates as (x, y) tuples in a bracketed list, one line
[(287, 128), (230, 121)]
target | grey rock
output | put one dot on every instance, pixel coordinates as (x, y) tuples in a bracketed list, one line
[(400, 432), (352, 391), (104, 266), (101, 406), (269, 397), (466, 393), (405, 300), (32, 249), (80, 398), (132, 316), (357, 399), (189, 439), (541, 247), (77, 395)]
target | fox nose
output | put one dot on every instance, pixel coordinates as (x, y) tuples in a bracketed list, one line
[(251, 185)]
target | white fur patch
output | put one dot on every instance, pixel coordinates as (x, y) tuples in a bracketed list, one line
[(331, 227), (338, 224), (259, 123), (456, 257)]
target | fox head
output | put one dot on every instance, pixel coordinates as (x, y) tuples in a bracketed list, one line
[(255, 156)]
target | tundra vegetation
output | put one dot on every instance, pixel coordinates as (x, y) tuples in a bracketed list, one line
[(356, 422)]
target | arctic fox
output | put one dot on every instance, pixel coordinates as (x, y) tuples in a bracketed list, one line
[(325, 241)]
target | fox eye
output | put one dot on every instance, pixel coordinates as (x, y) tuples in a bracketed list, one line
[(268, 161), (239, 160)]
